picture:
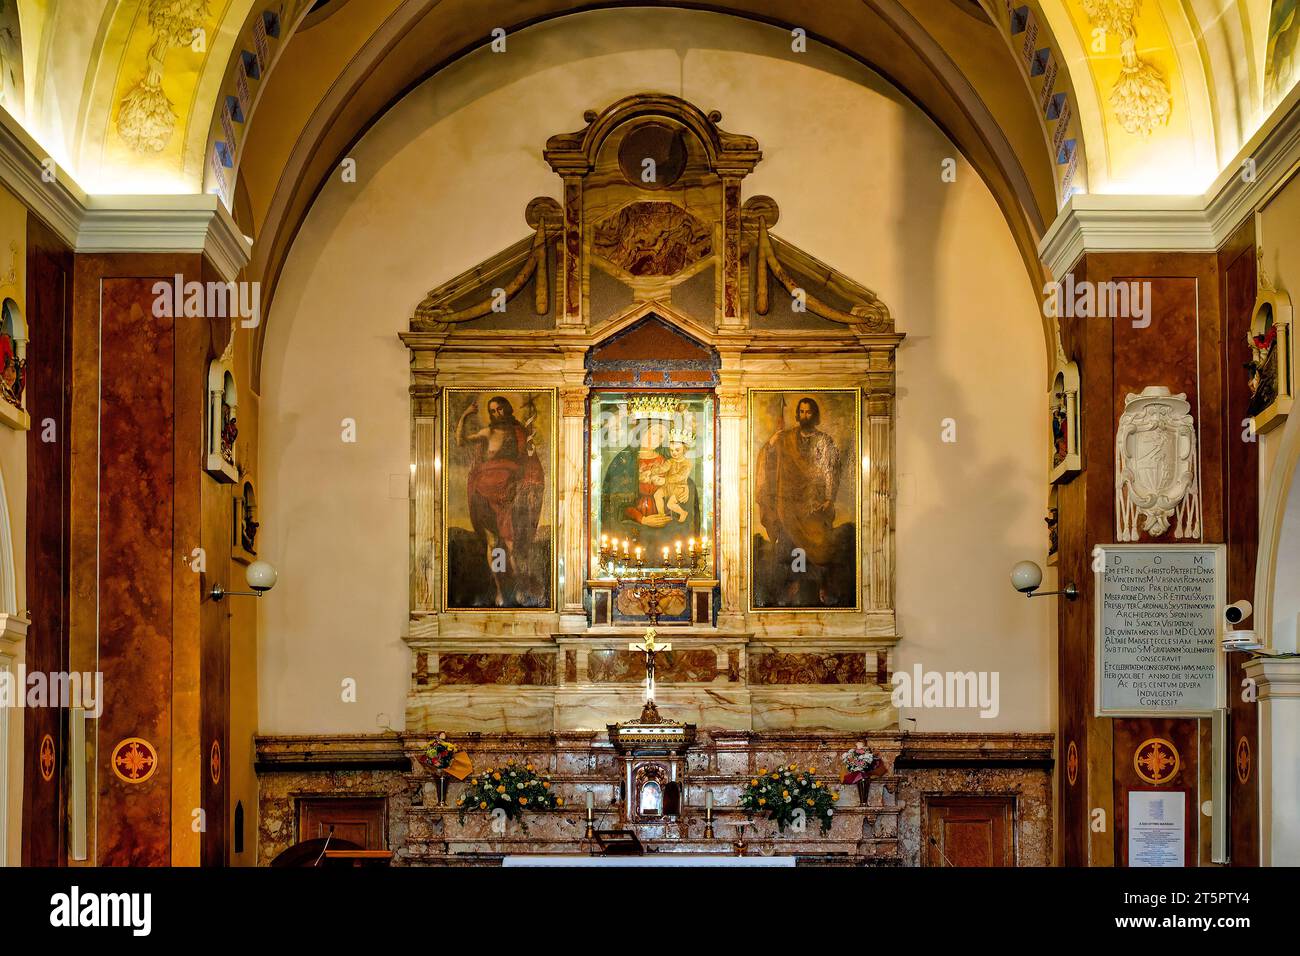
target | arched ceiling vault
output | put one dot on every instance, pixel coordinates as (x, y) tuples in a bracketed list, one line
[(258, 99)]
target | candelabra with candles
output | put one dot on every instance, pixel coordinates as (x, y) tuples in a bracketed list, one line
[(627, 562)]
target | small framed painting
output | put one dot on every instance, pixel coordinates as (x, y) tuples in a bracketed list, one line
[(1271, 369)]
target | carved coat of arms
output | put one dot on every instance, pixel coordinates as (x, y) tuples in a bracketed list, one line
[(1156, 476)]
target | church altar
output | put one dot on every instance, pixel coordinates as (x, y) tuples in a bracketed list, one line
[(653, 412)]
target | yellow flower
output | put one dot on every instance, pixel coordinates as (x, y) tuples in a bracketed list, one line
[(775, 776), (810, 801), (836, 795), (762, 800), (510, 762), (785, 794), (762, 771), (482, 804), (525, 800), (501, 789), (546, 784), (473, 781), (530, 766), (496, 776), (816, 784), (559, 801), (812, 769), (754, 782)]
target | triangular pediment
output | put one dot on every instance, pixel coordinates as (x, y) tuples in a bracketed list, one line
[(651, 352)]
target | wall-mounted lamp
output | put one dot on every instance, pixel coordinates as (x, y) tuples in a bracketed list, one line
[(1027, 576), (260, 576)]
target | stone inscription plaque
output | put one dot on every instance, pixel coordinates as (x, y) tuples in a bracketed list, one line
[(1157, 629)]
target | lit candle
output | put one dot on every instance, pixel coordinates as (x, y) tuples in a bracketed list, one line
[(704, 544), (692, 547), (625, 546), (638, 552), (708, 797), (604, 542), (665, 552), (679, 547), (590, 798)]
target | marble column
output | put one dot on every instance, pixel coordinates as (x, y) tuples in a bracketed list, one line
[(730, 475), (1277, 682), (13, 632), (426, 500), (878, 507), (569, 484)]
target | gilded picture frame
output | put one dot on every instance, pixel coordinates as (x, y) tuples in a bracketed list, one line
[(498, 517), (629, 440), (805, 500)]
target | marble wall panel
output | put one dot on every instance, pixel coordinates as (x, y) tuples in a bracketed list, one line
[(813, 668), (686, 666), (530, 667)]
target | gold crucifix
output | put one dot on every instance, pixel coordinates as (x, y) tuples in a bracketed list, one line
[(650, 649)]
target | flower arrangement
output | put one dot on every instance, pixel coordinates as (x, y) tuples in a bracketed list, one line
[(438, 755), (782, 792), (513, 788), (443, 756), (858, 763)]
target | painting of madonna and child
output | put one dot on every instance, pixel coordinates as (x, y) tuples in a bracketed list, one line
[(498, 493), (652, 468), (805, 494)]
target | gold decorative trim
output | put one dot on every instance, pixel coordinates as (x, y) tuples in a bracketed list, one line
[(1072, 763), (1160, 759), (134, 760), (1243, 760), (214, 762), (45, 759)]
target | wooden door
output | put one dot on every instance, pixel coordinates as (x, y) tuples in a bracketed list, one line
[(359, 821), (969, 831)]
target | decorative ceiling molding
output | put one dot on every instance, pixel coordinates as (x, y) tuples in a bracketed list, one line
[(25, 170), (196, 223), (1120, 223), (185, 224)]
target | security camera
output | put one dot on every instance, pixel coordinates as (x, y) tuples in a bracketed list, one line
[(1238, 612)]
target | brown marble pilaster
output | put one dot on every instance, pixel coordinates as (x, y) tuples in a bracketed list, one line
[(142, 508)]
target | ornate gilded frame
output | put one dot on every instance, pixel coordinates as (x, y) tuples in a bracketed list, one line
[(550, 511), (853, 463)]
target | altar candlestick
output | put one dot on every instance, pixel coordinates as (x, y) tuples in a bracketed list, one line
[(626, 542), (679, 547), (665, 552), (638, 552)]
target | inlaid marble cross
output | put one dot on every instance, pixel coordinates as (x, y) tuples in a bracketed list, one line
[(650, 649)]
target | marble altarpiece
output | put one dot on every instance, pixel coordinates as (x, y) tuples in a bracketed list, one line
[(655, 279), (650, 364)]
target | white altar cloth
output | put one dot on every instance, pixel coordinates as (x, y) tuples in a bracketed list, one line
[(650, 860)]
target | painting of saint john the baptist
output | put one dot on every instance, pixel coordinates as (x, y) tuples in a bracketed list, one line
[(498, 481)]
